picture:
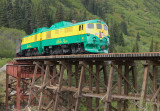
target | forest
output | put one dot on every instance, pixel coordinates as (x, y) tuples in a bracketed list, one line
[(134, 25)]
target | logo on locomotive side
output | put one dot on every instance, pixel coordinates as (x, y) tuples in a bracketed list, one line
[(58, 41), (65, 41), (28, 46)]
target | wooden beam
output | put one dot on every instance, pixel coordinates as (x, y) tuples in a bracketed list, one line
[(76, 75), (119, 104), (89, 100), (107, 97), (144, 85), (97, 84), (125, 78), (93, 75), (59, 88), (69, 78), (105, 74), (80, 88), (134, 75), (32, 84), (155, 80), (47, 71), (126, 86)]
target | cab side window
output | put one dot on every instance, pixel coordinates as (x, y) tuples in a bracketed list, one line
[(80, 28), (99, 26), (90, 26)]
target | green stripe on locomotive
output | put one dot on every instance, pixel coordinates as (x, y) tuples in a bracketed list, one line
[(31, 46), (91, 42)]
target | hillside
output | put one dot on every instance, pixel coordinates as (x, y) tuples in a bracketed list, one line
[(141, 16), (132, 23), (8, 40)]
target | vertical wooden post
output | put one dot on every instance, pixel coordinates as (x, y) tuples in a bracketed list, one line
[(80, 88), (54, 74), (108, 94), (7, 94), (134, 75), (32, 84), (155, 79), (105, 74), (59, 88), (97, 85), (76, 75), (144, 85), (47, 71), (119, 86), (18, 90), (42, 75), (89, 100), (69, 72), (126, 86)]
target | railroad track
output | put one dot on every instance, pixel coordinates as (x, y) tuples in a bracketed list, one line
[(110, 56)]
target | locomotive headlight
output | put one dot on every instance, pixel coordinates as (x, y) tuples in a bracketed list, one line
[(94, 38), (102, 47), (98, 21)]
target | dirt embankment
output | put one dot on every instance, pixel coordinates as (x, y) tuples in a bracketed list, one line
[(2, 69)]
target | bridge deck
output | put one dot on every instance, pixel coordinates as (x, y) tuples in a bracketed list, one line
[(110, 56)]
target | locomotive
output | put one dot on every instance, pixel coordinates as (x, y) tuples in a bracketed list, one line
[(66, 38)]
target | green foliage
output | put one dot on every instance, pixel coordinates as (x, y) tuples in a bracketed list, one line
[(3, 61), (138, 36), (121, 40), (136, 47), (151, 46), (59, 13), (156, 47), (9, 39), (124, 27)]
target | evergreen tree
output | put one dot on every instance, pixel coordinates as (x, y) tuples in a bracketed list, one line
[(85, 15), (45, 17), (156, 47), (37, 16), (59, 13), (136, 47), (138, 36), (115, 32), (121, 40), (28, 17), (17, 15), (70, 16), (3, 14), (10, 13), (124, 27), (111, 48), (151, 46)]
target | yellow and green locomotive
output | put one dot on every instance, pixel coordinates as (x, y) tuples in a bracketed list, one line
[(66, 38)]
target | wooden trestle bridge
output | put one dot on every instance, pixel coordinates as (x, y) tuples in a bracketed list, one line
[(95, 82)]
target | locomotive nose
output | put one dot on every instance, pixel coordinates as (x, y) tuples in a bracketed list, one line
[(100, 35), (103, 47)]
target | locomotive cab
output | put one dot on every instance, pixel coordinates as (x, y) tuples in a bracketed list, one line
[(99, 30), (98, 37)]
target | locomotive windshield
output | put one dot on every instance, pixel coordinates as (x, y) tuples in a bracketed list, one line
[(90, 25)]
